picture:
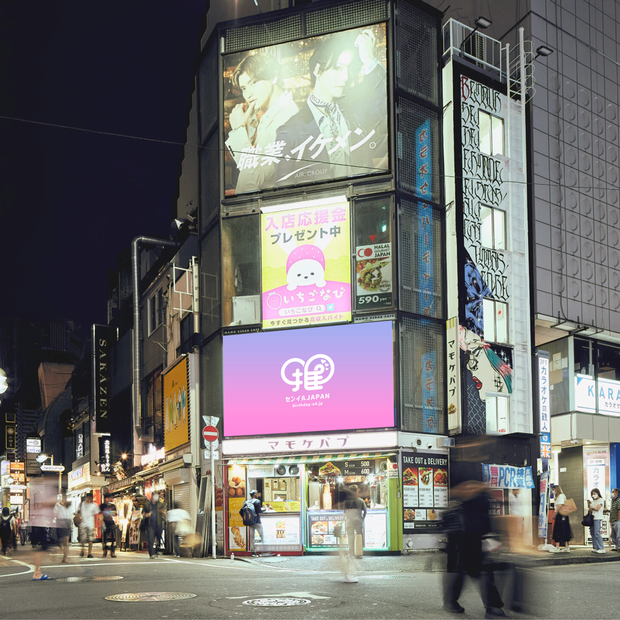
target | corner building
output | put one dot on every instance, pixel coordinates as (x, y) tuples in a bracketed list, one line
[(322, 253)]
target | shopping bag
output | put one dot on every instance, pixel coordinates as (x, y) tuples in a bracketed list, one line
[(568, 507), (588, 520), (359, 545)]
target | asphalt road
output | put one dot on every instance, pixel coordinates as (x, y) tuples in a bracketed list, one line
[(223, 589)]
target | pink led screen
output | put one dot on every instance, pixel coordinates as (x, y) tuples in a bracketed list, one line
[(309, 380)]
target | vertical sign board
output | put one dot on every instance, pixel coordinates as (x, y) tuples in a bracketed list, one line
[(105, 455), (453, 376), (543, 506), (104, 339), (545, 418), (10, 436)]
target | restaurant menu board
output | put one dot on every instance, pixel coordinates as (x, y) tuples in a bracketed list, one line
[(375, 530), (281, 530), (321, 529), (425, 489)]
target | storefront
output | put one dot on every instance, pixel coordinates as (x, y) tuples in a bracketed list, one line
[(81, 482)]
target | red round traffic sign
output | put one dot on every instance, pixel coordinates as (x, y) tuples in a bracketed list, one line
[(210, 433)]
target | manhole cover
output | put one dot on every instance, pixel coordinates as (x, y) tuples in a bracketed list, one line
[(102, 578), (281, 601), (145, 597)]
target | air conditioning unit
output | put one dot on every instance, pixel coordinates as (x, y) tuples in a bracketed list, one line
[(246, 310), (445, 442)]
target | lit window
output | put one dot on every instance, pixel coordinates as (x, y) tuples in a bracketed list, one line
[(156, 310), (493, 230), (497, 410), (491, 134), (495, 320)]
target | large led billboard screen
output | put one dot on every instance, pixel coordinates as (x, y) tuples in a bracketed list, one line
[(332, 378), (306, 263), (305, 111)]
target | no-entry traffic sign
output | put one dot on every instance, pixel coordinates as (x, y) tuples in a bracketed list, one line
[(210, 433)]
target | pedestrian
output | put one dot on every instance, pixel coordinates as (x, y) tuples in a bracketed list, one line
[(108, 527), (63, 514), (251, 512), (466, 523), (23, 531), (181, 525), (43, 492), (595, 506), (7, 529), (354, 513), (154, 511), (88, 510), (614, 519), (562, 532)]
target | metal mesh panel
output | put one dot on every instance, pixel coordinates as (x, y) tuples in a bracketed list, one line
[(420, 341), (416, 53), (207, 92), (211, 374), (264, 33), (210, 305), (421, 274), (344, 16), (410, 116), (209, 181)]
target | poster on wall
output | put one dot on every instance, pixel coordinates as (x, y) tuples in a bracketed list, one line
[(236, 498), (306, 266), (176, 405), (373, 268), (596, 470), (306, 111), (425, 490), (299, 381), (281, 530)]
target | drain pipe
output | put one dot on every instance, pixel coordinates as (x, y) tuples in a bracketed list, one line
[(136, 358)]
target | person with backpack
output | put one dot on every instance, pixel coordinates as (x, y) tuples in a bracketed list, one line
[(7, 528), (250, 513)]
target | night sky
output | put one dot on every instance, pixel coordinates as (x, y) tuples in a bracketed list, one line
[(70, 200)]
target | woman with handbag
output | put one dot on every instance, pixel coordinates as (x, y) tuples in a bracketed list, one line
[(595, 508), (562, 533)]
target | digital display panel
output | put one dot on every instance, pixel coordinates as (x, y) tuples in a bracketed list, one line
[(306, 111), (332, 378)]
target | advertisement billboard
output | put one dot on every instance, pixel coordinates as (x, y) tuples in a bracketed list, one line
[(299, 381), (306, 268), (176, 405), (104, 339), (305, 111)]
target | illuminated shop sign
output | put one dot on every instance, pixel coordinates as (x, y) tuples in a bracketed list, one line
[(309, 380), (507, 477), (545, 417), (104, 339), (306, 111), (586, 389), (176, 405), (306, 263), (33, 445), (152, 457), (105, 455)]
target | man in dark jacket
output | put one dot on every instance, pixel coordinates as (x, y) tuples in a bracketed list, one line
[(469, 523), (614, 519), (154, 510)]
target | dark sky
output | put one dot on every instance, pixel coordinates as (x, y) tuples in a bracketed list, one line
[(71, 200)]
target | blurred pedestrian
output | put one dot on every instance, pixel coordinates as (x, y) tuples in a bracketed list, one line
[(181, 525), (595, 506), (7, 529), (88, 510), (467, 522), (614, 519), (23, 532), (108, 527), (43, 493), (154, 511), (562, 532), (354, 513), (63, 515)]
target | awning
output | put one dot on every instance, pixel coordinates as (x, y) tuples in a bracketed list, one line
[(309, 458)]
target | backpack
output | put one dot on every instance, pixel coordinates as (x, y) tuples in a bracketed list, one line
[(248, 513), (5, 525)]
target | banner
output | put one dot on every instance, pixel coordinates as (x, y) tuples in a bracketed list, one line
[(374, 275), (507, 477), (543, 506), (104, 339), (307, 111), (306, 263), (176, 405)]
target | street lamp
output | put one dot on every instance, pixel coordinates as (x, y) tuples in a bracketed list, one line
[(41, 458), (482, 23), (543, 50)]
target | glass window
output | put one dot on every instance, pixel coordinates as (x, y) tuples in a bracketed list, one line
[(583, 360), (156, 310), (241, 270), (497, 412), (495, 320), (493, 228), (373, 254), (491, 134), (210, 266), (608, 362)]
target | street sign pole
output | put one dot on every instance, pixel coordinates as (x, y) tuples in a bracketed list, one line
[(210, 434)]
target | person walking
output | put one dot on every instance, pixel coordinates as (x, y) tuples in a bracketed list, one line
[(22, 531), (154, 511), (7, 528), (108, 529), (254, 505), (595, 506), (562, 532), (354, 513), (43, 491), (469, 522), (63, 515), (180, 521), (88, 510), (614, 519)]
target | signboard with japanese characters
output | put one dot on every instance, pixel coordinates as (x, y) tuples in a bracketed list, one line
[(587, 389), (507, 477), (425, 490), (373, 270), (306, 268), (309, 380), (596, 462), (453, 376), (306, 111), (545, 417)]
